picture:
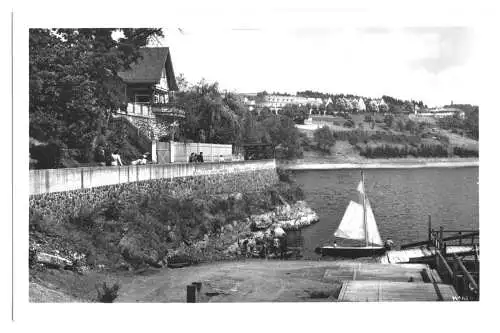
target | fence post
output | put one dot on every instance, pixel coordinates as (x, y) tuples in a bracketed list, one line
[(172, 151), (429, 230), (191, 294), (154, 156), (459, 284), (441, 232)]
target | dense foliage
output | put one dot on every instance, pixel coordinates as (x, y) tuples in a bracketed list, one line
[(219, 117), (74, 85), (388, 151), (142, 227)]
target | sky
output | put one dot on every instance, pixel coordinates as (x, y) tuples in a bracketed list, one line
[(432, 64)]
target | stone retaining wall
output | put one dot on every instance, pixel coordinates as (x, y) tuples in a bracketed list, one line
[(59, 180), (198, 180)]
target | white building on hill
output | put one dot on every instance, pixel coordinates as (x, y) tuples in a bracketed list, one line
[(439, 112)]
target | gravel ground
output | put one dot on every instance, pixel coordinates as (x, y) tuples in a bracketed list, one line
[(242, 281)]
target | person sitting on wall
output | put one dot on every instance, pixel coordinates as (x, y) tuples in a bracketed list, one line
[(200, 157), (116, 159), (141, 161)]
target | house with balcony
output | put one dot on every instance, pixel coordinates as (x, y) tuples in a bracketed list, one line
[(150, 86)]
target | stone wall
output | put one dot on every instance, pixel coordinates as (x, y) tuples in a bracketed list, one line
[(59, 180), (61, 205)]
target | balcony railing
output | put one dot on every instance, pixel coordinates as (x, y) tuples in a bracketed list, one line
[(168, 110), (150, 110)]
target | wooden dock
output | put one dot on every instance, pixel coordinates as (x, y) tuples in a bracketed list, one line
[(356, 271), (386, 291), (421, 253), (406, 274)]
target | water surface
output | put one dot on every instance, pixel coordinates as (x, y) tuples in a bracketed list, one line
[(401, 200)]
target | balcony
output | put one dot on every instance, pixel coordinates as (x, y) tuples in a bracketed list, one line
[(167, 110)]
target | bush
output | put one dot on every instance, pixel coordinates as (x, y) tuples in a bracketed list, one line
[(107, 293), (35, 220), (353, 140), (284, 175), (388, 120), (349, 124), (83, 217), (387, 151), (324, 138), (47, 156), (465, 152)]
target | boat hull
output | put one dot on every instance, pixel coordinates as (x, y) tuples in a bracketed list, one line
[(350, 252)]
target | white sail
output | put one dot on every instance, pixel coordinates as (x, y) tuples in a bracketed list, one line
[(352, 224), (371, 226)]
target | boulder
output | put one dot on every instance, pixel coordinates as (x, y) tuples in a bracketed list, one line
[(236, 196), (263, 221), (53, 260), (132, 251)]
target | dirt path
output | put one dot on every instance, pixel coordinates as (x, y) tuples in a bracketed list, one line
[(248, 281)]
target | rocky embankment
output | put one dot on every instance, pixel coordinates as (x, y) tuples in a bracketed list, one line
[(262, 228), (229, 242)]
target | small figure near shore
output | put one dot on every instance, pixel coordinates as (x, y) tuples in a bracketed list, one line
[(389, 244), (116, 159)]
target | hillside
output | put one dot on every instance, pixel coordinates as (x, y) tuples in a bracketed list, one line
[(363, 137)]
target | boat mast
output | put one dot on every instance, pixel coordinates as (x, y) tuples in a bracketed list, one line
[(364, 207)]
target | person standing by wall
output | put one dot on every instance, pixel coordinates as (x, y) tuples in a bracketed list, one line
[(192, 158), (116, 159), (200, 157), (101, 156)]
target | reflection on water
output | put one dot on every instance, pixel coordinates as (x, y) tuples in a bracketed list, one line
[(401, 200)]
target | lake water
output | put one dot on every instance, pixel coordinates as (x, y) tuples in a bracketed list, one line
[(401, 200)]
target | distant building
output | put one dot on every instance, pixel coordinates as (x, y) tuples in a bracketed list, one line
[(439, 112), (276, 103)]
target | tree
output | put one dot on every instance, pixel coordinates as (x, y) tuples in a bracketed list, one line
[(295, 112), (74, 85), (388, 120), (207, 109), (324, 138)]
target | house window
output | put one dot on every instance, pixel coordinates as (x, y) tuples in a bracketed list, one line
[(142, 98)]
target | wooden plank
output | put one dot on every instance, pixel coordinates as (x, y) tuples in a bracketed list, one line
[(382, 291), (372, 271), (401, 256)]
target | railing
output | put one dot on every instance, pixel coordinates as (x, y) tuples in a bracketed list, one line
[(168, 110), (459, 276), (463, 281), (450, 267), (437, 238)]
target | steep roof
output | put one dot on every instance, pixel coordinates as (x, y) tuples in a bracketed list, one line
[(148, 68)]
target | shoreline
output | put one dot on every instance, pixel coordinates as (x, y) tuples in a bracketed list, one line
[(386, 164)]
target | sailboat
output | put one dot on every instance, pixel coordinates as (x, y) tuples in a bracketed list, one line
[(358, 223)]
